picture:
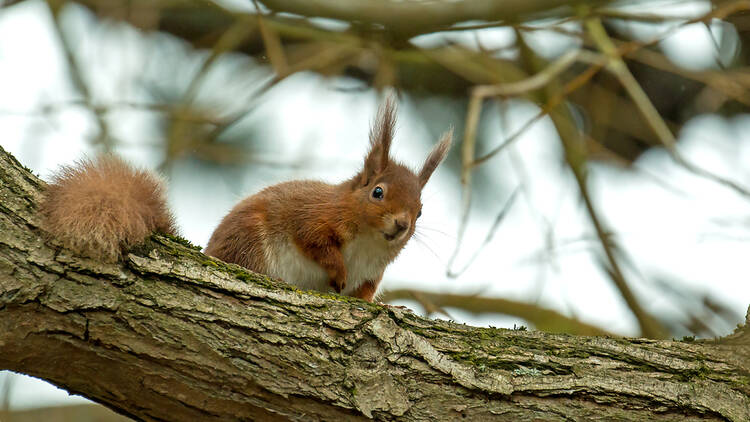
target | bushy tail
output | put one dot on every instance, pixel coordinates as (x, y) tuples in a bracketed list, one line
[(102, 207)]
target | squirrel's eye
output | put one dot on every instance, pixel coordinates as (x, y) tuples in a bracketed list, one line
[(419, 214), (377, 193)]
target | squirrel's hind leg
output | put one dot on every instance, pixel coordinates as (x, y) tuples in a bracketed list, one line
[(368, 290)]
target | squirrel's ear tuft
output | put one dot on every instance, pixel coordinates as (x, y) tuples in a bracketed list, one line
[(381, 135), (437, 155)]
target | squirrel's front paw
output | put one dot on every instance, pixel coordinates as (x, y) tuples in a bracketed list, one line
[(338, 283)]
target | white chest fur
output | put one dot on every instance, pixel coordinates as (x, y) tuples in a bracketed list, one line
[(365, 258)]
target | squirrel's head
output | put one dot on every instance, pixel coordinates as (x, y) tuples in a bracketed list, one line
[(389, 193)]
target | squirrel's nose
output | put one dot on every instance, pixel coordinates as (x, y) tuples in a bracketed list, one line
[(401, 225)]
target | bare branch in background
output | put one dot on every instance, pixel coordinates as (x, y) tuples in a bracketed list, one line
[(490, 234), (181, 137), (417, 17), (618, 67), (543, 319), (575, 157), (77, 78)]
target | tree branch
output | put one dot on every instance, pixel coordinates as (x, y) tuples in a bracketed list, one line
[(543, 319), (171, 334), (416, 17)]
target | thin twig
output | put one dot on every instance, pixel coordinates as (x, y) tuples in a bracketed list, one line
[(490, 235), (76, 76), (474, 110), (469, 141), (509, 140), (429, 306), (596, 64), (274, 48), (617, 66), (729, 83), (575, 156), (62, 106), (531, 83), (179, 133)]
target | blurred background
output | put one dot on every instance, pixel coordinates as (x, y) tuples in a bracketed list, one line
[(598, 184)]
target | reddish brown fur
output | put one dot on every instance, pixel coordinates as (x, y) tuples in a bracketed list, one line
[(381, 136), (437, 155), (368, 289), (100, 208), (321, 218), (239, 237)]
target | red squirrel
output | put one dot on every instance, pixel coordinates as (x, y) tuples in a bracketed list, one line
[(311, 234)]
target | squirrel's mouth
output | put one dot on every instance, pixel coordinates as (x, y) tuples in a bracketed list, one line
[(393, 236)]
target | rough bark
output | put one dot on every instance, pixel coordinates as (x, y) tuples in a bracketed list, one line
[(171, 334)]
